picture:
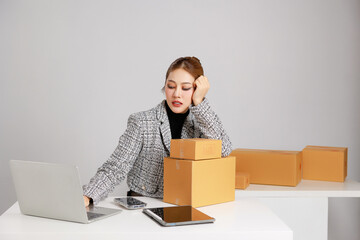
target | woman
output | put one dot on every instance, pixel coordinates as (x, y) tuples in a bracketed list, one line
[(185, 113)]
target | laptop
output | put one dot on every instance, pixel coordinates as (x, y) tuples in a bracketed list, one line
[(178, 215), (53, 191)]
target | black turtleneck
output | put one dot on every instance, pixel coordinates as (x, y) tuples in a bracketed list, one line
[(176, 121)]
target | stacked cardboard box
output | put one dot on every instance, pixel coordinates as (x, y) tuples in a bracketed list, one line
[(286, 168), (269, 166), (325, 163), (196, 175), (242, 180)]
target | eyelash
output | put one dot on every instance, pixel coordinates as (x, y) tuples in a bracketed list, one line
[(185, 89)]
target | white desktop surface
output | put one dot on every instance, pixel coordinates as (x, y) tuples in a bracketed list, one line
[(245, 218), (303, 208), (306, 188)]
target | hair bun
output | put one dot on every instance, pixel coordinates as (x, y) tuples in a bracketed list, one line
[(195, 58), (190, 64)]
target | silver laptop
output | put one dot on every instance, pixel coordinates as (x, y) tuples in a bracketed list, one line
[(53, 191)]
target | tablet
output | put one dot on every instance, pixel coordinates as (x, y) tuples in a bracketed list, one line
[(178, 215)]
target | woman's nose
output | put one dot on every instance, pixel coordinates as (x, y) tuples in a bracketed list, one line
[(177, 92)]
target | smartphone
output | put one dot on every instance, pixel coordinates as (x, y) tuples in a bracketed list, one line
[(130, 203)]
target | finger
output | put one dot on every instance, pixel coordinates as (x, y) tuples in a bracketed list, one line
[(199, 84), (206, 79), (200, 77), (206, 82), (197, 81)]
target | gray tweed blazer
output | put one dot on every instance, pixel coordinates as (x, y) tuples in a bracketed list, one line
[(143, 146)]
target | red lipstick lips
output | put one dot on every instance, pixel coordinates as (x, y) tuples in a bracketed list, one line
[(176, 103)]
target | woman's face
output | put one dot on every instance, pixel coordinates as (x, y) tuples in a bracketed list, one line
[(179, 90)]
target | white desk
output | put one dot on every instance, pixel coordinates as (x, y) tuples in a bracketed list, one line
[(246, 218), (303, 208)]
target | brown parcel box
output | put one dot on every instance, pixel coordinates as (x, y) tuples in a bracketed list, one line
[(325, 163), (195, 148), (271, 167), (242, 180), (199, 183)]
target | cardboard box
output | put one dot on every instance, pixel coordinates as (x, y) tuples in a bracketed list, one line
[(242, 180), (195, 148), (271, 167), (199, 183), (325, 163)]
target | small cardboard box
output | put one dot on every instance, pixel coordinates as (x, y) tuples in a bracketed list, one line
[(195, 148), (271, 167), (242, 180), (325, 163), (199, 183)]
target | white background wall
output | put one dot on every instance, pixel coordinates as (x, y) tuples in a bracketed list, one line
[(283, 74)]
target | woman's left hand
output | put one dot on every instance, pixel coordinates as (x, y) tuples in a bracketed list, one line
[(202, 86)]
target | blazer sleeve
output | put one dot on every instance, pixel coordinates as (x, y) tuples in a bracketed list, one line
[(210, 125), (116, 168)]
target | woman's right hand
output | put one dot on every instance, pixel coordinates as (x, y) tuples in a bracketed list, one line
[(202, 86), (86, 201)]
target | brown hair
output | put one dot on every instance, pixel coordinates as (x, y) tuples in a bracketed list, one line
[(190, 64)]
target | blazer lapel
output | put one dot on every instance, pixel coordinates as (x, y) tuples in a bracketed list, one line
[(188, 130), (166, 134), (164, 125)]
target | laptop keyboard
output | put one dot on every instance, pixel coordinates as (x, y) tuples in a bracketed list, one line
[(92, 215)]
